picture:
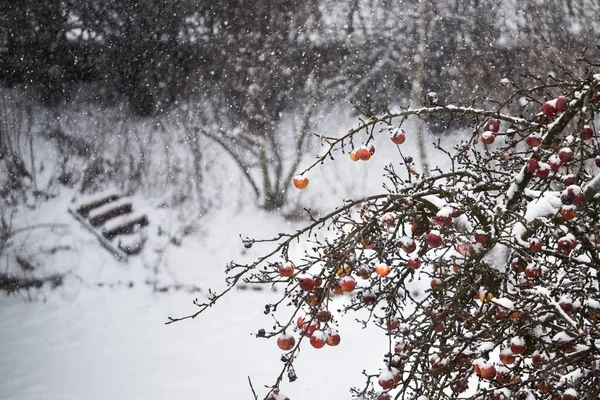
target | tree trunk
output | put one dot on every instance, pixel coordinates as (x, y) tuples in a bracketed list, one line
[(417, 84)]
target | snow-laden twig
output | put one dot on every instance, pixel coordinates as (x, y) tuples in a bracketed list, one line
[(545, 294), (592, 188)]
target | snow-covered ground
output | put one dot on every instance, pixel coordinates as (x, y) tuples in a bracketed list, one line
[(102, 334)]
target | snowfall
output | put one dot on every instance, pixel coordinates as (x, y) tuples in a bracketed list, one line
[(102, 334)]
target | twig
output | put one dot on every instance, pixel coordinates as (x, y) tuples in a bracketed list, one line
[(252, 388)]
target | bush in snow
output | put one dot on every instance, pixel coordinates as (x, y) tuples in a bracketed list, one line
[(507, 239)]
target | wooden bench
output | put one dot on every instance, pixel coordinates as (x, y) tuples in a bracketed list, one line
[(111, 216)]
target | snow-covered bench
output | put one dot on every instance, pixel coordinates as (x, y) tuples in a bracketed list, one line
[(111, 216)]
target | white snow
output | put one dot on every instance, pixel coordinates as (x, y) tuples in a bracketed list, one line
[(593, 304), (504, 302), (548, 204)]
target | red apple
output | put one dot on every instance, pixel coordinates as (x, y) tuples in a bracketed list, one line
[(286, 269), (353, 155), (487, 137), (318, 281), (397, 361), (488, 371), (323, 316), (438, 366), (518, 264), (481, 237), (535, 245), (313, 299), (410, 247), (401, 347), (555, 162), (334, 338), (543, 387), (568, 212), (597, 161), (517, 345), (561, 104), (286, 342), (548, 109), (566, 154), (566, 304), (300, 181), (307, 284), (532, 165), (414, 263), (534, 140), (502, 375), (567, 243), (305, 328), (507, 357), (538, 359), (444, 217), (369, 297), (398, 136), (392, 323), (575, 193), (364, 272), (318, 339), (587, 132), (386, 380), (275, 395), (543, 170), (532, 272), (363, 153), (492, 125), (434, 239), (569, 180), (347, 284), (382, 269)]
